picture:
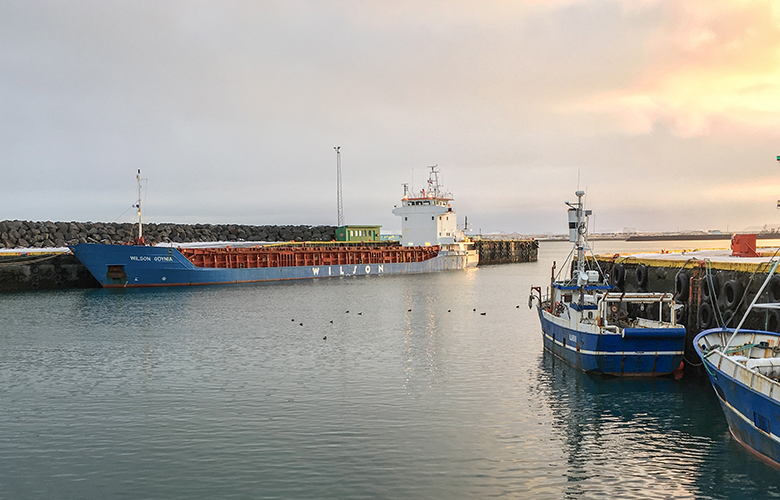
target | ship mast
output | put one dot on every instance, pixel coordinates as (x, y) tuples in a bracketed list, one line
[(433, 182), (578, 230), (339, 199), (140, 222)]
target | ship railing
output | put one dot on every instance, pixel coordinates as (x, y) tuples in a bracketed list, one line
[(610, 312)]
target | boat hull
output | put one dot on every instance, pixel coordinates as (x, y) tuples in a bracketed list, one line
[(123, 266), (649, 352), (749, 401)]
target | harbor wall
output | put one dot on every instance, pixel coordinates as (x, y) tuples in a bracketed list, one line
[(36, 234), (712, 294), (43, 271), (506, 251)]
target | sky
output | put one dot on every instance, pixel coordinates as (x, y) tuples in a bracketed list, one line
[(666, 112)]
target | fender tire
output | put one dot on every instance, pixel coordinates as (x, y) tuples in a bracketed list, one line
[(706, 316), (682, 287), (641, 276)]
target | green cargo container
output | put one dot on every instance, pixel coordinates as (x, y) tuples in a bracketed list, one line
[(357, 233)]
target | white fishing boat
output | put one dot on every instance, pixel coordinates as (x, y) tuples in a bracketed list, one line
[(744, 369)]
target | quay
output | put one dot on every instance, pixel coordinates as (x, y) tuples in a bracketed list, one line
[(506, 251), (714, 287), (42, 269)]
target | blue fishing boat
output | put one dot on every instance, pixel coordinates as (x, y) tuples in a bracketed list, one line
[(744, 369), (596, 329)]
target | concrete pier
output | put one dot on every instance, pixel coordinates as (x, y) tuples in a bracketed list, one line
[(42, 271), (713, 287), (506, 251)]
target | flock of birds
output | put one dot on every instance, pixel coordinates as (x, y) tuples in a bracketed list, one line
[(408, 310)]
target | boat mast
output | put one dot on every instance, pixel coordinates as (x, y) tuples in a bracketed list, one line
[(578, 230), (140, 224)]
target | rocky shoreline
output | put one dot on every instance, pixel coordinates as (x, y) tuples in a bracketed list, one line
[(32, 234)]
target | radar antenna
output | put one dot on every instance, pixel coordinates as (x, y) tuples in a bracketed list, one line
[(433, 181)]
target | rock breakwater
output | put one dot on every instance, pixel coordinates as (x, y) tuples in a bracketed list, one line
[(32, 234)]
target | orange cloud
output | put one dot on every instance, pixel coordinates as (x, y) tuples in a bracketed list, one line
[(707, 60)]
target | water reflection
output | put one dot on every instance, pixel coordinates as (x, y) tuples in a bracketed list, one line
[(640, 438)]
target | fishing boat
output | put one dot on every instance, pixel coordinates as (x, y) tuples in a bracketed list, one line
[(594, 328), (430, 242), (744, 369)]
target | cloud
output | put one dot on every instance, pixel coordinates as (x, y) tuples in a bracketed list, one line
[(706, 60), (232, 108)]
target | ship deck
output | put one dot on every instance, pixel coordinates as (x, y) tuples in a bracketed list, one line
[(306, 254)]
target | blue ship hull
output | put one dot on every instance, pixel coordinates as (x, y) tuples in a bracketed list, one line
[(753, 415), (145, 266), (641, 352)]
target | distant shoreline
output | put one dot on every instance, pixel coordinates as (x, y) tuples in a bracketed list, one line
[(662, 237), (679, 237)]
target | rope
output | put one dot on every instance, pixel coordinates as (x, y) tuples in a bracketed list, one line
[(690, 363), (28, 261), (123, 213), (747, 287), (715, 306)]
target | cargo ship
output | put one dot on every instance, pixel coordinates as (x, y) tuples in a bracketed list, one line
[(430, 241)]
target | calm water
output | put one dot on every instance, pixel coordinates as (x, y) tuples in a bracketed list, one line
[(233, 392)]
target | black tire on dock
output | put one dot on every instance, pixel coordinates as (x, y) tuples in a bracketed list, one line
[(641, 276), (706, 316), (728, 315), (618, 277), (681, 287), (732, 293), (707, 287), (773, 320), (774, 289)]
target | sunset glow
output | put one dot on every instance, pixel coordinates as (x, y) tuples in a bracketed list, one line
[(668, 111)]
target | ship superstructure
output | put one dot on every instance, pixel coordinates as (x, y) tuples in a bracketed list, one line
[(427, 218)]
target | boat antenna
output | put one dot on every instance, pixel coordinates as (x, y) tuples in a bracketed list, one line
[(433, 181), (339, 199)]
